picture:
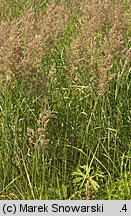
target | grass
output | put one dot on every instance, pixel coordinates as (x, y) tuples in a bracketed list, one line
[(65, 122)]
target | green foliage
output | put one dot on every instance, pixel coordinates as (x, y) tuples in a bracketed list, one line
[(84, 180), (65, 130)]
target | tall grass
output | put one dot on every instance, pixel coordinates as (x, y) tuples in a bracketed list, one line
[(65, 100)]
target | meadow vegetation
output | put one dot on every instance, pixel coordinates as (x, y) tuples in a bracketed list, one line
[(65, 117)]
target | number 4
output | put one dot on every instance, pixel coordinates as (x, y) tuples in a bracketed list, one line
[(124, 208)]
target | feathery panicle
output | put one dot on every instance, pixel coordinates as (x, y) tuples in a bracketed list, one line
[(101, 37), (38, 138), (25, 41)]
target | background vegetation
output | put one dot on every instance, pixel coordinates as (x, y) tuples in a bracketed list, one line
[(65, 118)]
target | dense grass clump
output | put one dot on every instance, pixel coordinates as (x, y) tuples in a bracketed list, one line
[(65, 100)]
